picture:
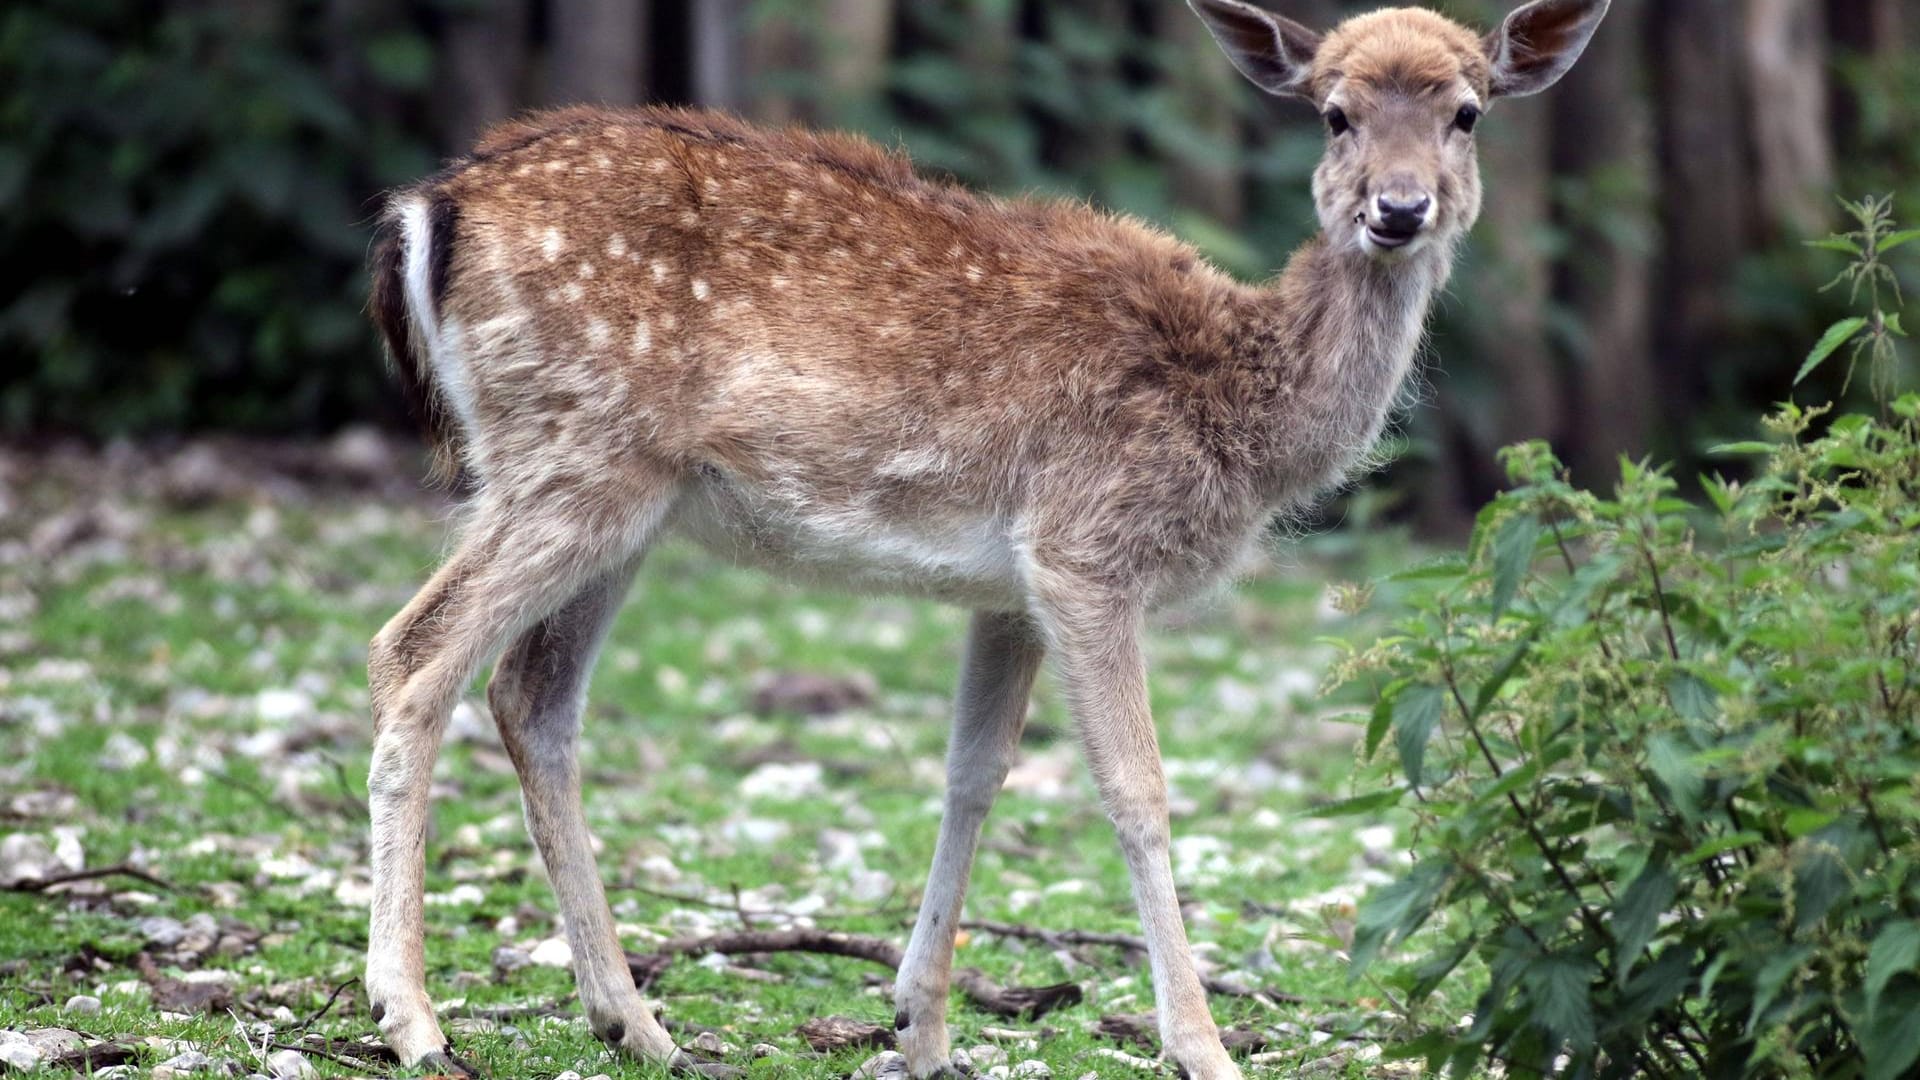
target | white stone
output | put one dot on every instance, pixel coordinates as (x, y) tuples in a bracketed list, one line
[(885, 1065), (758, 831), (281, 706), (784, 780), (24, 857), (553, 952), (1377, 838), (83, 1005), (293, 1065)]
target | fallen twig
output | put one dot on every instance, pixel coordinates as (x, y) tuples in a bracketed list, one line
[(353, 1055), (322, 1010), (35, 885), (1012, 1001), (1135, 943), (90, 1059)]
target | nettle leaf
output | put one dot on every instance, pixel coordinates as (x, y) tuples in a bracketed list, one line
[(1415, 712), (1896, 951), (1890, 1040), (1359, 804), (1636, 915), (1505, 672), (1896, 240), (1837, 335), (1434, 970), (1692, 697), (1382, 717), (1391, 912), (1673, 764), (1820, 878), (1562, 1001), (1512, 556), (1772, 978)]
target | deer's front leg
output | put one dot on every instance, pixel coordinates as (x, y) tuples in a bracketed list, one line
[(1095, 635), (1003, 652)]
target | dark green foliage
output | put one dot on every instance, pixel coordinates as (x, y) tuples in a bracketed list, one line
[(188, 193), (1665, 759)]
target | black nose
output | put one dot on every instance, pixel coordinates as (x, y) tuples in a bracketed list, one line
[(1403, 216)]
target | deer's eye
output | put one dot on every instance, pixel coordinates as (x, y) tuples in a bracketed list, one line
[(1468, 116), (1337, 120)]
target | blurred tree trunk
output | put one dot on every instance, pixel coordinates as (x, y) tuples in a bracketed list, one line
[(1208, 90), (813, 70), (1707, 189), (774, 48), (1870, 27), (718, 33), (1786, 57), (1506, 286), (596, 50), (486, 56), (1862, 28), (853, 52), (1602, 152)]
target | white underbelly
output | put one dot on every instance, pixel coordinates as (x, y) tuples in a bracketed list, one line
[(964, 558)]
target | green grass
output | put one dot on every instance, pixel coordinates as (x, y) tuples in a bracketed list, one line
[(139, 671)]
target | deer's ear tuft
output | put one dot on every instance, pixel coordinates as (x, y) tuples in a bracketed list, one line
[(1539, 42), (1275, 53)]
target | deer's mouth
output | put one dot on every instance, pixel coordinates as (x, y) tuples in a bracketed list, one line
[(1391, 239)]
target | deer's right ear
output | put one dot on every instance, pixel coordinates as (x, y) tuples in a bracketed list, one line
[(1276, 53)]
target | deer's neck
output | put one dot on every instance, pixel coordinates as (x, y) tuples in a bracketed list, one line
[(1338, 332)]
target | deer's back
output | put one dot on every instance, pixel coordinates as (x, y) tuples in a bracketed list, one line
[(851, 364)]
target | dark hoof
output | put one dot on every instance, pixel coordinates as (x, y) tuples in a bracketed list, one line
[(685, 1064), (446, 1063)]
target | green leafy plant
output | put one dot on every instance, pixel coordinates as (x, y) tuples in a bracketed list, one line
[(1663, 759), (188, 194)]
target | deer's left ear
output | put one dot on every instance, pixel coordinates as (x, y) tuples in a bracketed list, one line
[(1539, 42)]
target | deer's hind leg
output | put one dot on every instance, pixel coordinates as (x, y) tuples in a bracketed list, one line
[(537, 695), (520, 559)]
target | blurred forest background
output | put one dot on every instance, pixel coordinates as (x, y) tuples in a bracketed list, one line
[(189, 187)]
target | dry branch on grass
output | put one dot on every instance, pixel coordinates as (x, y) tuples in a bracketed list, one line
[(1134, 943), (42, 884), (1010, 1001)]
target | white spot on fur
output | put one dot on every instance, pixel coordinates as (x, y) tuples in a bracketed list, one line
[(603, 161), (551, 244), (616, 245), (700, 289), (657, 165), (599, 333), (587, 270), (573, 292), (642, 337), (659, 271), (571, 142), (556, 165), (974, 273), (777, 281)]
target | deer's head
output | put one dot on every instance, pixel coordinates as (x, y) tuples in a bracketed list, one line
[(1401, 91)]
